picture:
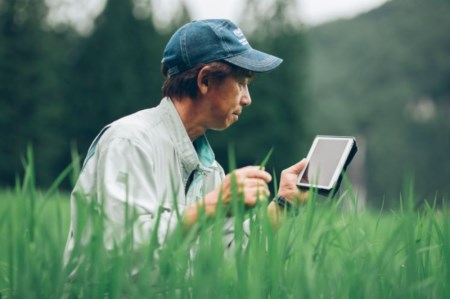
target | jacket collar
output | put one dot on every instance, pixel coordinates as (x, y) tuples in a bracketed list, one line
[(192, 155)]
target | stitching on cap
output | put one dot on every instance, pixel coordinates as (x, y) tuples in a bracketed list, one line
[(224, 45), (184, 53)]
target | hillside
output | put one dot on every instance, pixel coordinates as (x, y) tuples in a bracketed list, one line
[(384, 76)]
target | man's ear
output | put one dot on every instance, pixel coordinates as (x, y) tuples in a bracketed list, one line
[(203, 81)]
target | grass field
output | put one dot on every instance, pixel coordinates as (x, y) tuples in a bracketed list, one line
[(323, 252)]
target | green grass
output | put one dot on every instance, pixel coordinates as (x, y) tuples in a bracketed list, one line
[(324, 252)]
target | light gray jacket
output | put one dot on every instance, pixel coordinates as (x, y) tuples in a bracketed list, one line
[(145, 159)]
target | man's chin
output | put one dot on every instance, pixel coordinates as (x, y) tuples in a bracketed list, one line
[(222, 128)]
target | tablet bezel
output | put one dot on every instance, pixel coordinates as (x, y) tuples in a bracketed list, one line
[(346, 156)]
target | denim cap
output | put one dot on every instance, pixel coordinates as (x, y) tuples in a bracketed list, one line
[(206, 41)]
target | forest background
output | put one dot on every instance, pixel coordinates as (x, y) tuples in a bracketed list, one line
[(383, 76)]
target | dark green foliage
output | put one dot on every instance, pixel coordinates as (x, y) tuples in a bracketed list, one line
[(30, 94), (384, 77), (116, 71), (57, 89)]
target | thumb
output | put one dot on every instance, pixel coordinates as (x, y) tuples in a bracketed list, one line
[(298, 167)]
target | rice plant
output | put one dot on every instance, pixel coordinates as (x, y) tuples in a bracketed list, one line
[(323, 252)]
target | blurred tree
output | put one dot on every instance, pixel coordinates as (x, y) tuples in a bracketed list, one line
[(30, 96), (277, 116), (116, 71), (57, 87)]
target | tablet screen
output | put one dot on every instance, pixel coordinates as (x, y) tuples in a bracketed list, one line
[(325, 161)]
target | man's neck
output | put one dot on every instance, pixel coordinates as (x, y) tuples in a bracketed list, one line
[(190, 115)]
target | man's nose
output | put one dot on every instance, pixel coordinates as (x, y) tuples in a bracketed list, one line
[(246, 100)]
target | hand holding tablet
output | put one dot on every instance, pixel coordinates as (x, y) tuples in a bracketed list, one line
[(327, 159)]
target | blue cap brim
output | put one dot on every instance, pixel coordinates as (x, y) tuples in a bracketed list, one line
[(255, 61)]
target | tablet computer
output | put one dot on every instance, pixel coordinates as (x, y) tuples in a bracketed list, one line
[(327, 159)]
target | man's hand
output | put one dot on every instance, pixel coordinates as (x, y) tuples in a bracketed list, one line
[(289, 190), (250, 184), (288, 184)]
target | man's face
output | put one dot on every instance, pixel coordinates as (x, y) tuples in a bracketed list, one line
[(226, 101)]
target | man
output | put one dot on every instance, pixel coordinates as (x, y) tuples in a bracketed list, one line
[(159, 159)]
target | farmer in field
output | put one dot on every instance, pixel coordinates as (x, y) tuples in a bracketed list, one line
[(159, 159)]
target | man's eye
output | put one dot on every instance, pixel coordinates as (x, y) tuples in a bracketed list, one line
[(242, 85), (243, 81)]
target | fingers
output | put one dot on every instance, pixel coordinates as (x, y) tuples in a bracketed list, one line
[(254, 190), (255, 186), (297, 168), (251, 184), (253, 172), (288, 182)]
